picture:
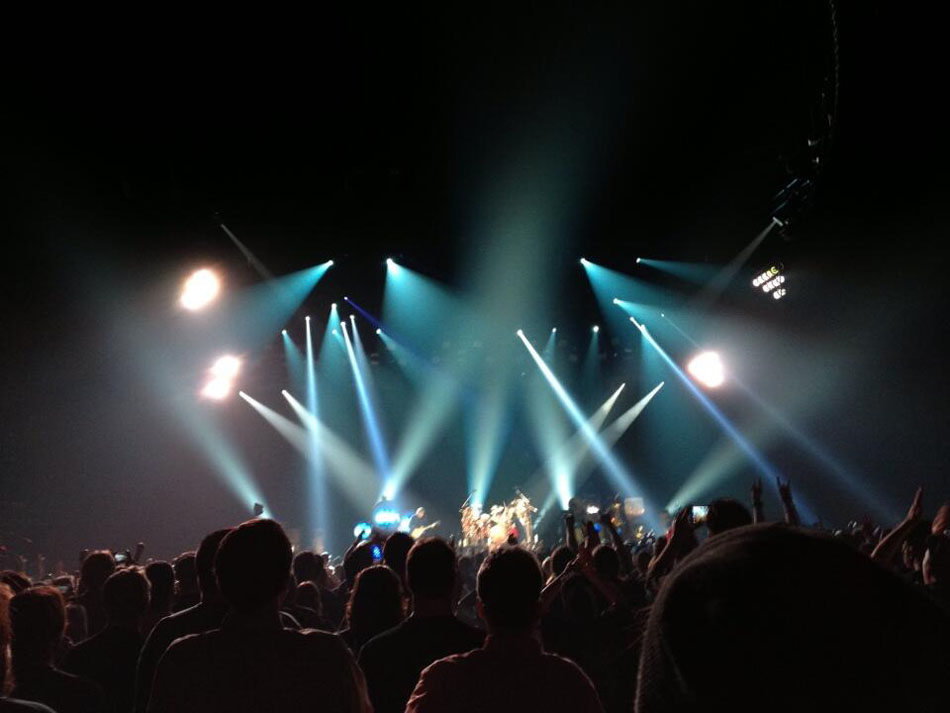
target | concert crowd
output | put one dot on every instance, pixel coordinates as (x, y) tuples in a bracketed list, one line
[(728, 612)]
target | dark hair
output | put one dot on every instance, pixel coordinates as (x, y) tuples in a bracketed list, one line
[(375, 603), (37, 620), (560, 558), (305, 566), (308, 595), (938, 558), (509, 588), (161, 576), (186, 571), (356, 560), (396, 551), (95, 570), (726, 514), (607, 562), (779, 608), (125, 594), (643, 560), (431, 569), (17, 581), (253, 564), (204, 560)]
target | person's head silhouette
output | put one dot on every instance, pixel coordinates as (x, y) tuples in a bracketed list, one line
[(726, 514), (125, 597), (509, 590), (253, 565), (37, 621), (431, 571), (204, 564)]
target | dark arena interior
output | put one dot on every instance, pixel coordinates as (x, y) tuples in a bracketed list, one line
[(608, 331)]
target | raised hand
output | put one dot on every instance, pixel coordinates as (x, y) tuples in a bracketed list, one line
[(784, 489), (916, 508), (682, 529), (757, 490)]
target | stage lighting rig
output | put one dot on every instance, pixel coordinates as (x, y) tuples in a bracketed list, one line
[(771, 281)]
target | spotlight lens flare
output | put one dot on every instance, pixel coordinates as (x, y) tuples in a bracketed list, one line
[(595, 329), (217, 389), (226, 367), (200, 290), (707, 369), (379, 331)]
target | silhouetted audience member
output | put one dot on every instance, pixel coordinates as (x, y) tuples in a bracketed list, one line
[(204, 616), (187, 593), (95, 570), (305, 617), (935, 568), (510, 671), (771, 618), (726, 514), (560, 558), (307, 597), (375, 606), (38, 620), (161, 577), (252, 663), (393, 660), (310, 567), (109, 658), (356, 559), (395, 552), (16, 581), (11, 705)]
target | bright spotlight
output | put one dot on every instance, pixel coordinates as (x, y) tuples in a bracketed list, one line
[(226, 367), (200, 289), (284, 332), (707, 369), (520, 333), (307, 317), (284, 392), (638, 261), (217, 389), (553, 330), (379, 331), (389, 261), (329, 263), (583, 261), (595, 329), (333, 306), (616, 301)]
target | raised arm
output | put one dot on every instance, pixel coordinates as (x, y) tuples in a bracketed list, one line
[(681, 541), (788, 503), (571, 537), (889, 548), (758, 513), (626, 559)]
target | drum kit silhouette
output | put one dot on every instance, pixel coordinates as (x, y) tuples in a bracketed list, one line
[(493, 527)]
